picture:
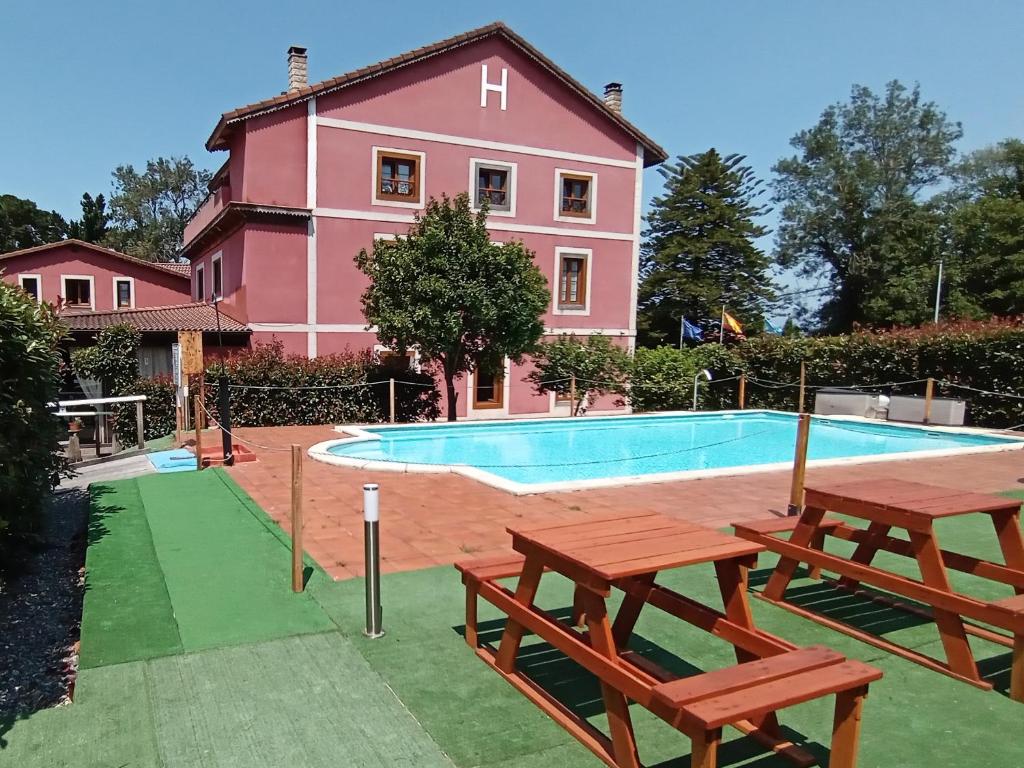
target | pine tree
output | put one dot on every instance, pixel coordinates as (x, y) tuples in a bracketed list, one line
[(93, 225), (699, 251)]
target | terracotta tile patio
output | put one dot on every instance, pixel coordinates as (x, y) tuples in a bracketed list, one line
[(429, 520)]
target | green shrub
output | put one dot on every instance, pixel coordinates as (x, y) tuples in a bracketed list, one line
[(662, 379), (599, 367), (30, 369), (158, 416)]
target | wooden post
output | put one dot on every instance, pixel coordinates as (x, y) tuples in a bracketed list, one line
[(743, 390), (199, 430), (572, 395), (391, 400), (803, 381), (202, 398), (796, 489), (140, 432), (929, 390), (297, 518)]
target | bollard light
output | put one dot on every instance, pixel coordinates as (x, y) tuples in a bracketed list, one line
[(371, 542)]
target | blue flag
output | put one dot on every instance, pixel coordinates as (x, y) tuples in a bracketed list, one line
[(691, 331), (771, 328)]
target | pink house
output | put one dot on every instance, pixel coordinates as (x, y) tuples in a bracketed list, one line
[(83, 277), (317, 173)]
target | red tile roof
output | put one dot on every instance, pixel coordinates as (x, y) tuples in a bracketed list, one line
[(177, 317), (178, 270), (653, 153)]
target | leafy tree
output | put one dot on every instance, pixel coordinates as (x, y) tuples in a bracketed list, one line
[(598, 366), (446, 289), (986, 230), (699, 250), (112, 360), (30, 463), (24, 225), (149, 209), (93, 226), (851, 204)]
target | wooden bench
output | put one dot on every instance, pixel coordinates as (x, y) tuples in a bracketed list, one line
[(1015, 605), (481, 569), (750, 691)]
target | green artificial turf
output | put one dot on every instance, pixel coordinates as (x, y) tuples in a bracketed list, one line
[(127, 613), (914, 718), (227, 573)]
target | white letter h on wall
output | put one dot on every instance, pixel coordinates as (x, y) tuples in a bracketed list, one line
[(501, 87)]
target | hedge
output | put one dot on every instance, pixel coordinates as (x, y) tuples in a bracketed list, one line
[(983, 355), (30, 361)]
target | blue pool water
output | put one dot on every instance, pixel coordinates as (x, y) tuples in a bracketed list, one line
[(590, 448)]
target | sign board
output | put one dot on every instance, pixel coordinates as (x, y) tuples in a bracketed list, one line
[(176, 363), (191, 352)]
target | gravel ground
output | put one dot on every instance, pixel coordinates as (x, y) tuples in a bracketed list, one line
[(41, 611)]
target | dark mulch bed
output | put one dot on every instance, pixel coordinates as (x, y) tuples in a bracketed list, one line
[(41, 609)]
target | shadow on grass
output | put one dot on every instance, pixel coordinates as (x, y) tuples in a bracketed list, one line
[(864, 611), (580, 691)]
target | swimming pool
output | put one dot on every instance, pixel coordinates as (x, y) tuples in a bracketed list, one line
[(529, 456)]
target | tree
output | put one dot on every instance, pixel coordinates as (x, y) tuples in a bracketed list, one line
[(851, 204), (93, 226), (584, 369), (30, 359), (150, 209), (24, 225), (447, 290), (985, 274), (699, 250)]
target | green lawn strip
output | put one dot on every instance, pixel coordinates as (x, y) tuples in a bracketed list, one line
[(228, 574), (913, 718), (127, 612), (109, 724), (310, 700)]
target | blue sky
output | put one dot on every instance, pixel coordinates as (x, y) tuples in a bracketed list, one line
[(89, 86)]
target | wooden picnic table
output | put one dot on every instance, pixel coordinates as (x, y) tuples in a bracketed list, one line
[(914, 508), (627, 551)]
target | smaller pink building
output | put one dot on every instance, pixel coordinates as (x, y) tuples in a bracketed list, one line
[(76, 276)]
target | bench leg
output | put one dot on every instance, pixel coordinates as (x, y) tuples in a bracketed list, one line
[(471, 639), (846, 728), (801, 537), (1017, 670), (866, 551), (705, 749), (579, 612), (526, 590), (818, 543)]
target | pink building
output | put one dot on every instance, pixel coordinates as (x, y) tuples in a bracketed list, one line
[(317, 173), (82, 277)]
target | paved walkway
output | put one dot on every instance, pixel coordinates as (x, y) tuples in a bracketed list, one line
[(429, 519)]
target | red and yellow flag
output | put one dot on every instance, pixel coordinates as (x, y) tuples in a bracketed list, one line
[(732, 322)]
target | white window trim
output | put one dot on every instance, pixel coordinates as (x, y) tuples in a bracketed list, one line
[(587, 254), (389, 236), (92, 288), (131, 290), (506, 394), (513, 172), (200, 270), (592, 219), (39, 283), (217, 258), (421, 187)]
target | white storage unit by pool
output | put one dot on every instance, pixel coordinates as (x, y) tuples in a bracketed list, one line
[(947, 411), (849, 402)]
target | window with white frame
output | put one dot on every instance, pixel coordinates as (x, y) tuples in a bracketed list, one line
[(217, 286), (398, 177), (494, 182), (575, 196), (124, 293), (201, 283), (572, 281), (32, 285), (78, 291)]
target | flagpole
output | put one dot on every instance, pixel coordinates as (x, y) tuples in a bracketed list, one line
[(721, 327)]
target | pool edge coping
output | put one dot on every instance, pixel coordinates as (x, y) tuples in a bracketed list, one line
[(321, 452)]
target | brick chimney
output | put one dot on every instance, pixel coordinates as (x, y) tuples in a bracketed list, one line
[(613, 97), (298, 74)]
